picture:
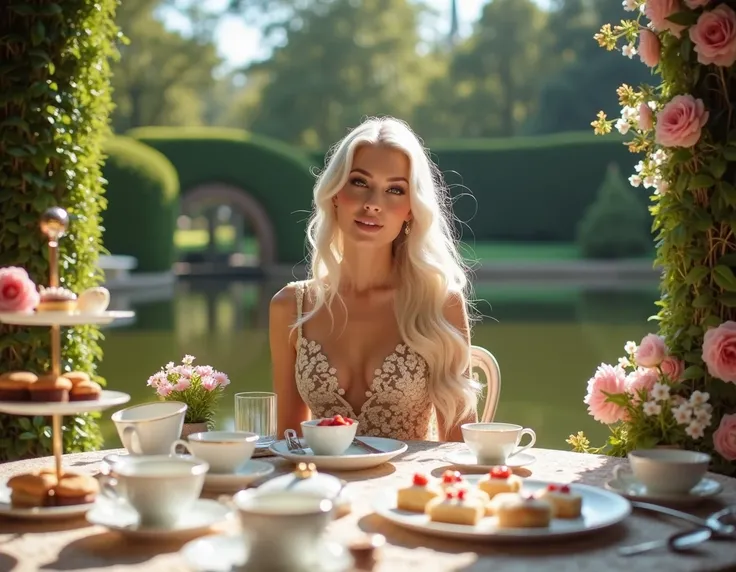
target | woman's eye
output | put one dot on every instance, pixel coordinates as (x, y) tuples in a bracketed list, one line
[(396, 190), (358, 182)]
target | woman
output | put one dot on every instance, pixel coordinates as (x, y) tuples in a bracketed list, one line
[(380, 331)]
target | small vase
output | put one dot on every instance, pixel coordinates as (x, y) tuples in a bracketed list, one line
[(190, 428)]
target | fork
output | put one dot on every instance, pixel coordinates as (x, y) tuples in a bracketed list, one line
[(292, 442), (366, 447)]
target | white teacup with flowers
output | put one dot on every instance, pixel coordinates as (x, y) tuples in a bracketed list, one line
[(199, 386)]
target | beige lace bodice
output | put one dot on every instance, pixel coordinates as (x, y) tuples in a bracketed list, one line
[(397, 403)]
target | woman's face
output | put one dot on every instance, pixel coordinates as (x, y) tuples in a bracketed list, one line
[(374, 204)]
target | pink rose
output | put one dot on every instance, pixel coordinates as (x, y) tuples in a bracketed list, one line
[(680, 122), (719, 351), (641, 378), (610, 380), (714, 36), (658, 10), (672, 367), (695, 4), (18, 293), (724, 438), (646, 119), (651, 351), (649, 48)]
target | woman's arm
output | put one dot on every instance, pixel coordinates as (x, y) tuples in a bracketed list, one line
[(456, 313), (291, 410)]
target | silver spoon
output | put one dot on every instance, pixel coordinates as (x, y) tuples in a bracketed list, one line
[(677, 542)]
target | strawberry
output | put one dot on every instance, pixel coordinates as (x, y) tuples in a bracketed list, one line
[(564, 489), (450, 477), (420, 480), (500, 472)]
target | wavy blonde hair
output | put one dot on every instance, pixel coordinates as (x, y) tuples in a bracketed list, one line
[(428, 265)]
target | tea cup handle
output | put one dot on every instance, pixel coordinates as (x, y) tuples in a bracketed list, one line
[(619, 471), (532, 440), (108, 488), (180, 443), (131, 441)]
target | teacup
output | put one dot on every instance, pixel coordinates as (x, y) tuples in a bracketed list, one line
[(160, 488), (495, 443), (284, 530), (666, 471), (224, 451), (150, 428), (328, 439)]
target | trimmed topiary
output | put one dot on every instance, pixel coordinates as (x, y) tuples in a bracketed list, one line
[(615, 225), (143, 203)]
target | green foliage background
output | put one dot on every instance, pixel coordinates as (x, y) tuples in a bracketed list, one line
[(55, 102)]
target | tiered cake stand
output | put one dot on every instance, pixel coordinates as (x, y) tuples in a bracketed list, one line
[(54, 223)]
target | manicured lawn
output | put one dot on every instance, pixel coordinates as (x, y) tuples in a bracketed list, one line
[(196, 240)]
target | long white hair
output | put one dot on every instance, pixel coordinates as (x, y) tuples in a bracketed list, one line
[(428, 265)]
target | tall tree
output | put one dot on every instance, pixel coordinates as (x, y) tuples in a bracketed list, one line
[(342, 60)]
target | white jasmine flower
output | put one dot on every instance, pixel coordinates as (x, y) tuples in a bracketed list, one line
[(635, 180), (699, 397), (624, 362), (630, 348), (694, 430), (623, 126), (651, 408), (629, 5), (629, 50), (683, 414), (660, 392)]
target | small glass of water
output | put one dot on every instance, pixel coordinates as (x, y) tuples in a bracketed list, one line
[(255, 411)]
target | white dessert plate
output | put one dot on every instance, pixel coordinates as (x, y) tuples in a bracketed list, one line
[(354, 459), (107, 399), (601, 509), (227, 553), (467, 459), (203, 515), (38, 513), (62, 318), (629, 487), (242, 477)]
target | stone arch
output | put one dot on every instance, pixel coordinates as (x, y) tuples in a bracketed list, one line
[(247, 205)]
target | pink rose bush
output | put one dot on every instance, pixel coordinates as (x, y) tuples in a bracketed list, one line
[(724, 438), (651, 351), (719, 351), (649, 48), (681, 121), (200, 387), (658, 10), (18, 293), (714, 36), (695, 4)]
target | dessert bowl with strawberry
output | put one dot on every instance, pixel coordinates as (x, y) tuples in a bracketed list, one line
[(329, 436)]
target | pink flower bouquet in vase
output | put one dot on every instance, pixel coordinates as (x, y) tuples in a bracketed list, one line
[(200, 387)]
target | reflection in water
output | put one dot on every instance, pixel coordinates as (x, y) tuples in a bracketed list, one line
[(548, 343)]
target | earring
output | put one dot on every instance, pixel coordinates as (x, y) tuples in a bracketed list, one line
[(407, 229)]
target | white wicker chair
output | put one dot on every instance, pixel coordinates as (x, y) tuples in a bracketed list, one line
[(483, 360)]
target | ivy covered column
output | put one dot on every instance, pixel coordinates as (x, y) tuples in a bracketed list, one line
[(55, 102)]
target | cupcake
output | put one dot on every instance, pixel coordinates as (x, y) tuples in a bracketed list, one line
[(14, 385), (50, 387), (85, 391), (31, 490), (76, 377), (55, 299)]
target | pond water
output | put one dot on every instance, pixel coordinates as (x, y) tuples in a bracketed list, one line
[(548, 343)]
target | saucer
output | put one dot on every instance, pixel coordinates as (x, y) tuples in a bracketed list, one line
[(198, 520), (243, 476), (226, 553), (354, 459), (627, 486), (467, 459)]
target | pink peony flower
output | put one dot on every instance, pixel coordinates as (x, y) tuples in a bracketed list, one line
[(182, 384), (695, 4), (641, 378), (680, 122), (649, 48), (651, 351), (18, 293), (714, 36), (724, 438), (658, 10), (646, 119), (221, 379), (164, 389), (209, 382), (610, 380), (672, 368), (719, 351)]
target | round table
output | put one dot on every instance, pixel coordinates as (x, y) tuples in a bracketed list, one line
[(76, 545)]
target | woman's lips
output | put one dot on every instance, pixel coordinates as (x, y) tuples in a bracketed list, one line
[(368, 225)]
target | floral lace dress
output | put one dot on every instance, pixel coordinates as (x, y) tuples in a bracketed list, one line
[(397, 403)]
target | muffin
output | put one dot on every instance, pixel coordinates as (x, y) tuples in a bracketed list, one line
[(14, 385), (76, 377), (85, 391), (74, 489), (50, 387), (31, 490), (55, 299)]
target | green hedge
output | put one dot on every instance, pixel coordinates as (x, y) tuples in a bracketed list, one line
[(525, 189), (275, 174), (143, 203)]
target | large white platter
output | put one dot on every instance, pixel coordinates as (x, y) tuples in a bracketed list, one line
[(601, 509), (62, 318), (107, 399), (37, 513), (354, 459)]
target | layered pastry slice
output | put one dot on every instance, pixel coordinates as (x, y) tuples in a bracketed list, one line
[(565, 503), (457, 506), (514, 510), (415, 497), (500, 479)]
